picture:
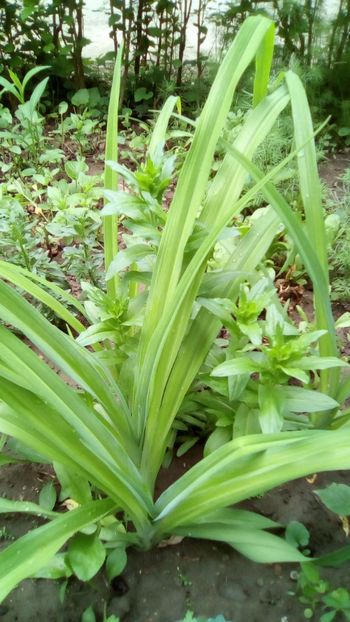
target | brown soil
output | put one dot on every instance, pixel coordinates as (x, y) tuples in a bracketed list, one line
[(332, 168)]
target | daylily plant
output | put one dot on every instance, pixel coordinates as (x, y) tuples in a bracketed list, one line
[(106, 439)]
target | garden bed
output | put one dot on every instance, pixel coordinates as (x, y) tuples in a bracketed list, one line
[(200, 576), (162, 584)]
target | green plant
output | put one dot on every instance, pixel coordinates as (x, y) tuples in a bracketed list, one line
[(264, 370), (80, 127), (318, 594), (24, 142), (20, 240), (107, 444), (17, 88)]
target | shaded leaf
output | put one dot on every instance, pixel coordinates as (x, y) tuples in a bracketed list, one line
[(86, 555), (336, 498)]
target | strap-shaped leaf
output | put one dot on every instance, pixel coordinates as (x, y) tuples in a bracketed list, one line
[(24, 280), (310, 188), (67, 355), (40, 427), (246, 467), (195, 172), (159, 132), (110, 223), (31, 73), (27, 507), (259, 546)]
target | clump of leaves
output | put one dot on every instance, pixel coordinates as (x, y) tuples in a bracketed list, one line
[(264, 368), (319, 596), (20, 241), (107, 442)]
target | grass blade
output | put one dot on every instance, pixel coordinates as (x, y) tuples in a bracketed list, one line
[(77, 363), (110, 223), (194, 175), (310, 188), (159, 133), (249, 466), (24, 280)]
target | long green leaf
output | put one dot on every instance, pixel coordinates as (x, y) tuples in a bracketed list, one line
[(31, 73), (8, 506), (263, 63), (37, 425), (24, 280), (159, 132), (67, 355), (248, 466), (310, 188), (259, 546), (37, 94), (194, 175), (110, 223)]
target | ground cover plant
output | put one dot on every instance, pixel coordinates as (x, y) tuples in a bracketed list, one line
[(107, 431)]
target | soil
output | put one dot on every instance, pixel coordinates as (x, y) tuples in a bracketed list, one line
[(332, 168), (207, 578)]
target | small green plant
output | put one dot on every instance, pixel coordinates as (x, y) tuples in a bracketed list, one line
[(23, 139), (80, 127), (315, 592), (319, 596), (265, 369), (17, 88), (20, 241)]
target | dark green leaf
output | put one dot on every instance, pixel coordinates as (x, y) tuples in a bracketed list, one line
[(297, 534), (86, 555), (116, 562), (48, 496), (336, 498)]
